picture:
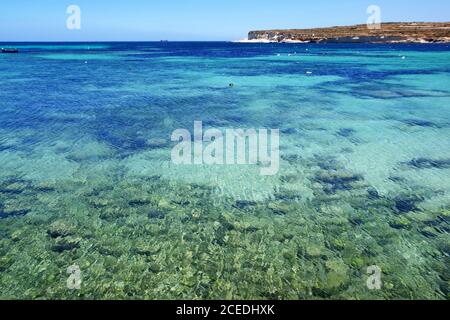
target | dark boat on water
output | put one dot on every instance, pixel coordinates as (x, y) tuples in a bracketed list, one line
[(10, 50)]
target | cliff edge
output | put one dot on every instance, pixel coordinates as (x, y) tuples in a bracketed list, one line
[(394, 32)]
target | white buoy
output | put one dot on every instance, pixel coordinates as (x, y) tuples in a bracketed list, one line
[(308, 72), (403, 58)]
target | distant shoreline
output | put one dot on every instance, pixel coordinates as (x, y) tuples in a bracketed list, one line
[(394, 32)]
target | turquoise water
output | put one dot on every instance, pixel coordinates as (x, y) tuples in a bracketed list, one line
[(86, 176)]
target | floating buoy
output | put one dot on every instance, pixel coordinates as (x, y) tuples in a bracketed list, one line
[(403, 58), (308, 72)]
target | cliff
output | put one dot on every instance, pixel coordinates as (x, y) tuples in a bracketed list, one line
[(408, 32)]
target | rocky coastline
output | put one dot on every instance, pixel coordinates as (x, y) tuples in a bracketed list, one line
[(408, 32)]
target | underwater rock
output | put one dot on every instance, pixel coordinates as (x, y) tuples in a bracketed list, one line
[(279, 208), (289, 131), (99, 202), (328, 165), (289, 178), (425, 163), (45, 187), (17, 235), (139, 202), (423, 217), (60, 229), (227, 222), (181, 202), (121, 139), (345, 132), (419, 123), (287, 195), (333, 181), (356, 220), (335, 177), (250, 229), (157, 143), (11, 210), (5, 263), (113, 213), (6, 144), (220, 236), (243, 204), (397, 179), (155, 267), (291, 157), (66, 243), (429, 232), (13, 187), (155, 214), (165, 205), (147, 248), (405, 204), (346, 150), (400, 223), (14, 213), (373, 193)]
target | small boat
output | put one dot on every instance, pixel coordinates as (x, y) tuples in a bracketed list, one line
[(10, 50)]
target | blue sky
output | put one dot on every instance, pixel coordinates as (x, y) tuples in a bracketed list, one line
[(136, 20)]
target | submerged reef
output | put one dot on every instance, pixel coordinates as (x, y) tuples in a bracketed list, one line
[(420, 123), (345, 132), (333, 181), (425, 163), (157, 239)]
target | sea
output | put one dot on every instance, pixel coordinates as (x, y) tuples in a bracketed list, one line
[(92, 205)]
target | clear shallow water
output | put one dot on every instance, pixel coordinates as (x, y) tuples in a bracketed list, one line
[(364, 177)]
